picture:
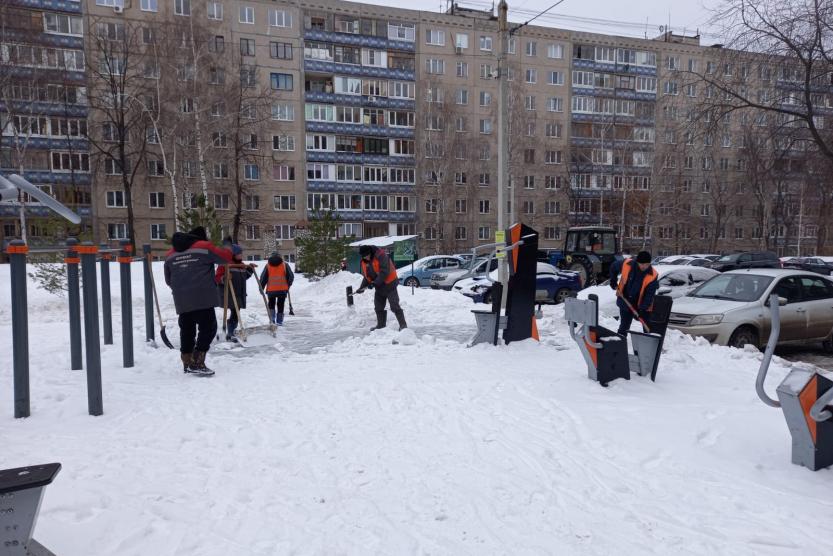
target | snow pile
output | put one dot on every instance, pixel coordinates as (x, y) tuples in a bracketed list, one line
[(331, 439)]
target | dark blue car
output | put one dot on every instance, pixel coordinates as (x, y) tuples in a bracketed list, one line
[(552, 286)]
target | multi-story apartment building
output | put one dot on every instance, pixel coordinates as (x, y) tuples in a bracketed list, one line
[(43, 116), (275, 110)]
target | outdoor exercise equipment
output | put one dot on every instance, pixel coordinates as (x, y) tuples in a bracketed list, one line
[(518, 322), (605, 351), (21, 493), (806, 398)]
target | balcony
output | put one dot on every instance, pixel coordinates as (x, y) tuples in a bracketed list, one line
[(350, 39), (47, 109), (360, 100), (333, 68), (67, 6), (358, 187), (606, 142), (50, 143), (47, 176), (614, 67), (608, 118), (361, 129), (50, 74), (360, 158), (374, 215), (41, 211), (614, 93), (45, 39)]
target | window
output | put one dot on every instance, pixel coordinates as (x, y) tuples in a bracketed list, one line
[(553, 130), (156, 168), (247, 47), (512, 46), (485, 98), (67, 162), (670, 88), (461, 40), (532, 48), (435, 37), (460, 206), (486, 44), (280, 18), (462, 69), (402, 89), (283, 202), (484, 233), (61, 24), (115, 199), (215, 11), (247, 15), (528, 207), (483, 180), (431, 205), (691, 90), (555, 104), (462, 96), (221, 201), (112, 167), (149, 5), (251, 202), (157, 232), (529, 182), (116, 231), (282, 81), (252, 232), (529, 102), (220, 170), (217, 44), (531, 76), (182, 7), (460, 233), (435, 66), (156, 199), (248, 76), (285, 231), (552, 182), (673, 62), (485, 206), (485, 71), (555, 51), (284, 143), (556, 78), (283, 172), (553, 157), (486, 126)]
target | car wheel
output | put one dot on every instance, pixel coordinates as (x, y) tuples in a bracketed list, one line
[(744, 335), (412, 282), (487, 298), (827, 344), (561, 295)]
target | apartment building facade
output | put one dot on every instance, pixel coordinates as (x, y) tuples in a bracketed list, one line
[(43, 117), (388, 117)]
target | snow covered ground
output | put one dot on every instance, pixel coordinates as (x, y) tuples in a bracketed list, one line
[(332, 440)]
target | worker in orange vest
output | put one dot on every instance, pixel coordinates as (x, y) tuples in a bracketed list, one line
[(637, 285), (276, 279), (379, 273)]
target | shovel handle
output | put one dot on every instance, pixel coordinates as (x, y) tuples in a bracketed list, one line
[(634, 312)]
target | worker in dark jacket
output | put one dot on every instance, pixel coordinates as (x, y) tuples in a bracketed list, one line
[(379, 273), (637, 284), (239, 274), (276, 279), (189, 271)]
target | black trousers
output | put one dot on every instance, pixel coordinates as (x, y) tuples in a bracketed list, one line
[(625, 320), (280, 298), (203, 319), (388, 293)]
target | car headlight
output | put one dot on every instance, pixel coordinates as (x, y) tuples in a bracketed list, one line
[(701, 320)]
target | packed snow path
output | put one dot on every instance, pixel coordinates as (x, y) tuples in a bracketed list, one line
[(363, 447)]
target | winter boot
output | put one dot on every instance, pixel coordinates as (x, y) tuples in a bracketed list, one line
[(198, 367), (187, 361), (381, 320), (400, 318), (279, 319), (230, 328)]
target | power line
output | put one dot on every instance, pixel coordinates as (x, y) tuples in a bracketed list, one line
[(539, 15)]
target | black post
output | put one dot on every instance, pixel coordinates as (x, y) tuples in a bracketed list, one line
[(74, 295), (20, 327), (150, 336), (125, 259), (349, 296), (106, 309), (88, 253)]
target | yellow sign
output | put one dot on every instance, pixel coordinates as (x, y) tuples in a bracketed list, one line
[(500, 239)]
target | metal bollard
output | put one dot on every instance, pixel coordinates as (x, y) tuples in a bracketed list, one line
[(125, 260), (88, 253), (149, 336), (20, 327), (106, 309), (349, 296), (74, 295)]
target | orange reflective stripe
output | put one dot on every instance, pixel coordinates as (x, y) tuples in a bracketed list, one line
[(72, 260), (106, 256), (807, 398), (277, 278), (86, 249), (17, 249), (623, 280), (125, 259), (391, 277)]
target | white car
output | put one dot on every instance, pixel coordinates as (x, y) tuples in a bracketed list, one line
[(475, 286), (447, 278)]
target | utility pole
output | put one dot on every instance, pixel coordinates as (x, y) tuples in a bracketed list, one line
[(502, 135)]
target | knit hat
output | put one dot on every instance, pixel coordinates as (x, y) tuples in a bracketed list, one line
[(365, 250), (199, 232), (643, 257), (236, 250)]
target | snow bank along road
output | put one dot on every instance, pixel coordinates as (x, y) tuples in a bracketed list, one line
[(334, 441)]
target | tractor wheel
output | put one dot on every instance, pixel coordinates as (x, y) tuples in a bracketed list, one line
[(585, 272), (561, 295)]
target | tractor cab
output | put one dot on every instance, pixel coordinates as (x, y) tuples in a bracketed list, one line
[(590, 251)]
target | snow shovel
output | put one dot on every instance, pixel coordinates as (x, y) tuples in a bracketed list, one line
[(272, 325), (634, 312), (245, 332), (162, 333), (289, 298), (225, 301)]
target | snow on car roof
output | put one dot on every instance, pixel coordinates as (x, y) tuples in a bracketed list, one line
[(380, 241)]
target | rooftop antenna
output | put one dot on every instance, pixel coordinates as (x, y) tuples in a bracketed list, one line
[(646, 27)]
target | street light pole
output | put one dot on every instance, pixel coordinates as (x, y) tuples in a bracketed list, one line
[(502, 135)]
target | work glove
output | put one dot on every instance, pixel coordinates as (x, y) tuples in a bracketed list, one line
[(612, 286), (360, 290)]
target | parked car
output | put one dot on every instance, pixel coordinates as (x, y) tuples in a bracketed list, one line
[(551, 285), (732, 309), (674, 260), (677, 281), (447, 278), (699, 261), (419, 274), (749, 259), (466, 257), (811, 264)]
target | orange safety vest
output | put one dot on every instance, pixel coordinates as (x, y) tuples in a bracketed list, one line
[(391, 277), (623, 280), (277, 278)]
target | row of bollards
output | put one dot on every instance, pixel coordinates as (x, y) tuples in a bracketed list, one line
[(80, 263)]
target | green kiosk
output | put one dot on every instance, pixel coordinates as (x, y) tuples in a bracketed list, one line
[(402, 249)]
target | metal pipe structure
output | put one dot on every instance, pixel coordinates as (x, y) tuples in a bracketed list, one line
[(74, 294), (88, 253), (125, 260), (106, 309), (150, 336), (502, 138), (775, 331), (20, 327)]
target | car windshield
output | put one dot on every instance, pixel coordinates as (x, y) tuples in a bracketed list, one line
[(726, 258), (733, 287)]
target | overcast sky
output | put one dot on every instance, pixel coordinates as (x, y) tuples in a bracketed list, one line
[(619, 17)]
